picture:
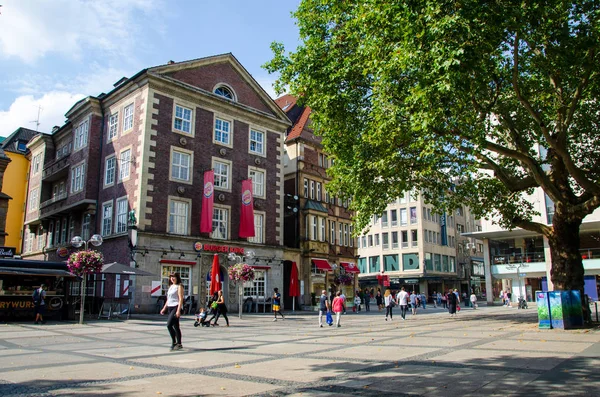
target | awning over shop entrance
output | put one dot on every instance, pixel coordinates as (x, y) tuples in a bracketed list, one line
[(35, 272), (350, 267), (322, 264)]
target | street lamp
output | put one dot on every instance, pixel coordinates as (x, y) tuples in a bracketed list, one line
[(77, 242), (239, 259)]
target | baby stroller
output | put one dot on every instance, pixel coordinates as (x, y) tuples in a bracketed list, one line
[(201, 319)]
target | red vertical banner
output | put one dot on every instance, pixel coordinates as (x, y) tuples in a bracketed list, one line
[(208, 198), (247, 210)]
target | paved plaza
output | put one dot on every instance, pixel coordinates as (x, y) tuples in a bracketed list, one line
[(490, 351)]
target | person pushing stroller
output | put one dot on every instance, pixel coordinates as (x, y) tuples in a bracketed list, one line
[(201, 319)]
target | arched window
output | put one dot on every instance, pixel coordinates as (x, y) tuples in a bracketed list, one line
[(225, 92)]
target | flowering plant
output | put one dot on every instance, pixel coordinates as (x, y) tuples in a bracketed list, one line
[(85, 262), (343, 279), (241, 272)]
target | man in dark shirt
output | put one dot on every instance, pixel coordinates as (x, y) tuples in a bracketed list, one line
[(324, 307)]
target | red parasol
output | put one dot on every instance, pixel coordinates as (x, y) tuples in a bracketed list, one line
[(215, 276), (294, 285)]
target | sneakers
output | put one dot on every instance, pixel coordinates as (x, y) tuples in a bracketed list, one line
[(274, 319), (321, 325), (339, 325), (177, 347)]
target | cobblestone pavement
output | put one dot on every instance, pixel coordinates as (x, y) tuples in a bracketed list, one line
[(485, 352)]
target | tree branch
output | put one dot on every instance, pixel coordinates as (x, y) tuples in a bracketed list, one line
[(512, 184), (533, 226)]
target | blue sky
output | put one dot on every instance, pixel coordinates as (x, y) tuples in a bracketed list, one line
[(55, 52)]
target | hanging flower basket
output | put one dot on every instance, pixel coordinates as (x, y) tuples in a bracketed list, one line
[(343, 279), (85, 262), (241, 272)]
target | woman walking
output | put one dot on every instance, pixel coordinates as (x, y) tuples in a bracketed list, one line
[(221, 308), (379, 300), (389, 304), (452, 303), (338, 307), (174, 305)]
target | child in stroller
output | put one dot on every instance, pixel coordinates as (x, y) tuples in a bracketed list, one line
[(201, 319)]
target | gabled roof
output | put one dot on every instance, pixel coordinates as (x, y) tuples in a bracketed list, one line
[(10, 144), (300, 116)]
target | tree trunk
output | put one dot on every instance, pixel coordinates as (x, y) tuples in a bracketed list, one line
[(567, 266)]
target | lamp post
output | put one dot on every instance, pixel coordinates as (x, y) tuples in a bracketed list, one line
[(77, 242), (239, 259), (518, 267)]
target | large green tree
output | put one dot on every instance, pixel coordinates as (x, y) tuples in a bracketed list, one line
[(490, 99)]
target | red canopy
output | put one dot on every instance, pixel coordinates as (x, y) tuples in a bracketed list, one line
[(294, 285), (215, 276), (350, 267), (322, 264)]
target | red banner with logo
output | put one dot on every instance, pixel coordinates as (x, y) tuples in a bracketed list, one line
[(247, 210), (208, 198)]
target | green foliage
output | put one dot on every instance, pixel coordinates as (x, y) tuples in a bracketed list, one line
[(473, 103)]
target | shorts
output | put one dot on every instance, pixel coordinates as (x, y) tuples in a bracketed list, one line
[(39, 309), (275, 308)]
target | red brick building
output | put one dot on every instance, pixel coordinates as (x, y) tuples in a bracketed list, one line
[(144, 147), (318, 222)]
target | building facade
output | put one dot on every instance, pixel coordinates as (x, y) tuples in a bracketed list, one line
[(519, 261), (317, 223), (129, 165), (15, 148), (410, 245)]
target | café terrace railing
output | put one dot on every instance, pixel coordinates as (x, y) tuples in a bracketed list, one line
[(586, 253)]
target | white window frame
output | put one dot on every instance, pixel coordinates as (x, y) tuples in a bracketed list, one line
[(341, 234), (219, 176), (346, 240), (221, 216), (181, 221), (121, 215), (81, 135), (175, 151), (229, 142), (107, 218), (322, 232), (36, 164), (259, 228), (332, 233), (110, 171), (312, 190), (125, 164), (128, 113), (319, 196), (64, 230), (262, 146), (258, 186), (40, 238), (77, 177), (34, 199), (113, 126), (183, 119)]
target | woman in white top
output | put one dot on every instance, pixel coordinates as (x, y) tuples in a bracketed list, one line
[(389, 301), (174, 305)]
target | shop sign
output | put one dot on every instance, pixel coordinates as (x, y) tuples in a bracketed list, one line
[(474, 278), (411, 281), (62, 252), (198, 246), (7, 252), (26, 303)]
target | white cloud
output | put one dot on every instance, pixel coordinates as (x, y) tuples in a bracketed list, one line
[(30, 29), (24, 110)]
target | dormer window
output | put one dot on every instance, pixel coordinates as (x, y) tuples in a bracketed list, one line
[(225, 92)]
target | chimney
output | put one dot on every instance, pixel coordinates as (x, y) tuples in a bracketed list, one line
[(170, 62)]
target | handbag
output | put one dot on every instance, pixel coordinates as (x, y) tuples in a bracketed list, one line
[(214, 305), (457, 308), (329, 318), (392, 303)]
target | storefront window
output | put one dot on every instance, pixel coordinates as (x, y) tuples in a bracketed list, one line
[(256, 287), (185, 273), (445, 263), (373, 264)]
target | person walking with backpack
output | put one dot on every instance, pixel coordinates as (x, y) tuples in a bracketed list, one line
[(39, 305)]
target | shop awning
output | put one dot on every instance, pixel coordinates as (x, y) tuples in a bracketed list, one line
[(350, 267), (36, 272), (322, 264)]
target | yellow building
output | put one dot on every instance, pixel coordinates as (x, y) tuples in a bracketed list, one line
[(15, 184)]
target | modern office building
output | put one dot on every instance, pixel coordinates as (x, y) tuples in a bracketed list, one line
[(519, 260), (130, 165), (411, 245)]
